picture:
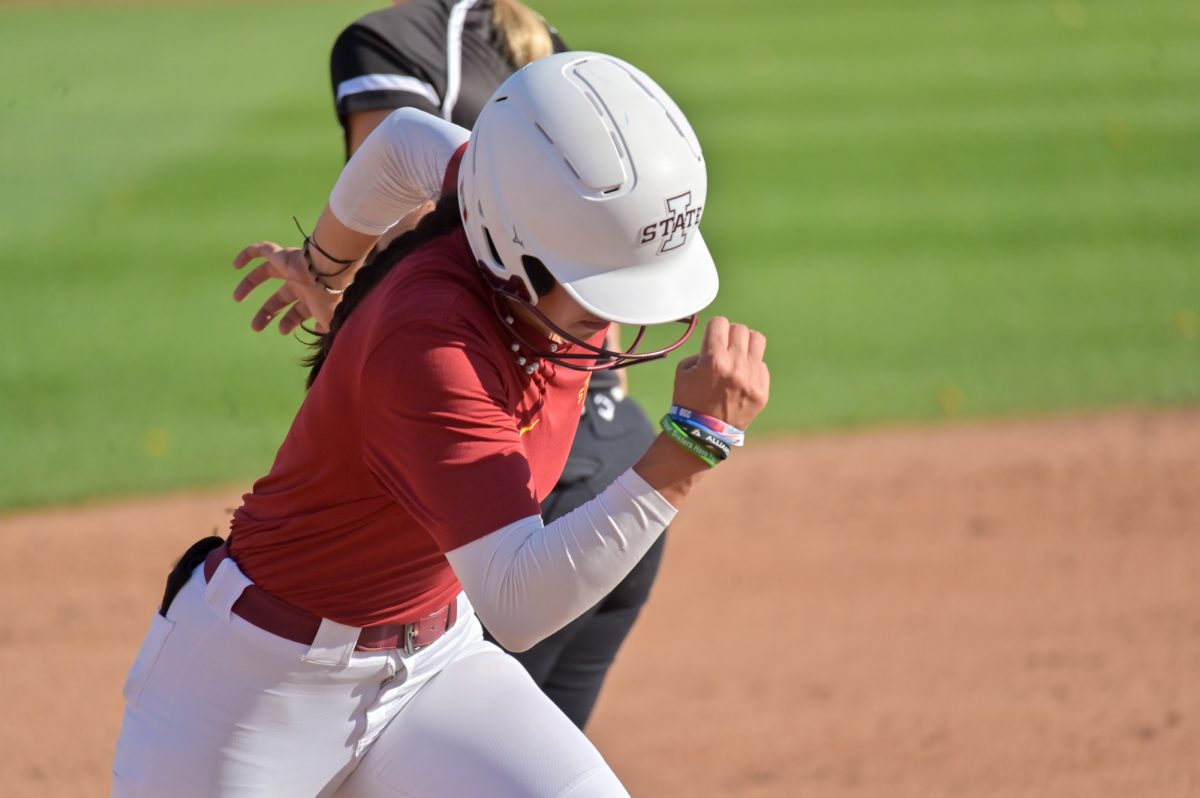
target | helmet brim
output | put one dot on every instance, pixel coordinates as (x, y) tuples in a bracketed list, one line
[(666, 289)]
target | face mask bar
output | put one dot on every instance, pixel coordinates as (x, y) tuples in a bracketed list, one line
[(604, 359)]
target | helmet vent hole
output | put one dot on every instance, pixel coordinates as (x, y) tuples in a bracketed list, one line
[(542, 130), (479, 205), (574, 171), (492, 248), (539, 276)]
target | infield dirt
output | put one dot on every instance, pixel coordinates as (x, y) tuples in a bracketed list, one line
[(1001, 609)]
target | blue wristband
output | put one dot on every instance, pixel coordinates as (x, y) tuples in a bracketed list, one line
[(726, 438), (713, 424), (706, 437)]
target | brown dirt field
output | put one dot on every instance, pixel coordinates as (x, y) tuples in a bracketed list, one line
[(1003, 609)]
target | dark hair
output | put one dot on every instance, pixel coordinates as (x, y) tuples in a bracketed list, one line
[(442, 219)]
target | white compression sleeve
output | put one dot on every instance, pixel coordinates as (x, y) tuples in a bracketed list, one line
[(397, 168), (527, 580)]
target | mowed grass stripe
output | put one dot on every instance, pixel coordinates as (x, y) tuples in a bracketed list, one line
[(864, 26), (126, 95), (140, 373)]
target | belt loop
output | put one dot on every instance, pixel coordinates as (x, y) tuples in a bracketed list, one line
[(333, 644), (224, 588), (410, 631)]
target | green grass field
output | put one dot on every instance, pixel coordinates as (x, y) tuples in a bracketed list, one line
[(941, 208)]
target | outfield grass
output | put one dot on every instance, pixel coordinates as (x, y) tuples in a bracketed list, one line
[(933, 208)]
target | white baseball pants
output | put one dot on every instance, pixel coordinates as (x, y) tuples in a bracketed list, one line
[(217, 708)]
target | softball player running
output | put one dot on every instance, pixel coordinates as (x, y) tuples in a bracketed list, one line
[(330, 646), (446, 57)]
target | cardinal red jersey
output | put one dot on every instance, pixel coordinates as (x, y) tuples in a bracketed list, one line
[(421, 433)]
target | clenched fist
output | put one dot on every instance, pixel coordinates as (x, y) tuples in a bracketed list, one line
[(728, 378)]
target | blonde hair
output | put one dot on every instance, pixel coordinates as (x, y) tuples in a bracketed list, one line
[(522, 32)]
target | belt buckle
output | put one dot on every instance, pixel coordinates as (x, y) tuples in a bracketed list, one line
[(410, 633)]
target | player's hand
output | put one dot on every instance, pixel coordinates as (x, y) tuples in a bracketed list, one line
[(728, 378), (300, 295)]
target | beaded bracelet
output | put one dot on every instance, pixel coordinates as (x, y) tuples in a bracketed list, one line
[(681, 437), (704, 435)]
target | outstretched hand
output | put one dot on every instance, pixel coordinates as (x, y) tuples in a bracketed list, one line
[(305, 296), (728, 378)]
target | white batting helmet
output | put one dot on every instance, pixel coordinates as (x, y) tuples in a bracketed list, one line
[(583, 163)]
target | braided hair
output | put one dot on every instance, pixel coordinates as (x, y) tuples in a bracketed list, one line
[(442, 219)]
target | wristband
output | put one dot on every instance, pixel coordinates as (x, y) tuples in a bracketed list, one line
[(345, 264), (681, 437), (714, 424), (713, 443), (316, 275), (729, 440), (702, 434), (731, 434)]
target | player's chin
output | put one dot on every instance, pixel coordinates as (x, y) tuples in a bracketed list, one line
[(586, 328)]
